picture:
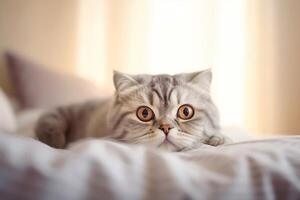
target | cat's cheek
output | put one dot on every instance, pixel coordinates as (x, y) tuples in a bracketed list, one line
[(173, 133), (196, 131), (154, 139), (160, 136)]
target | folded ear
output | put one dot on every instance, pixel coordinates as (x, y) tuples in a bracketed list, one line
[(123, 81), (201, 79)]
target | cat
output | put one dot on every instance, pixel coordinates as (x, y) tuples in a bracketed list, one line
[(171, 112)]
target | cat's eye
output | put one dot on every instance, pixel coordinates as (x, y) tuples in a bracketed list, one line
[(144, 113), (185, 112)]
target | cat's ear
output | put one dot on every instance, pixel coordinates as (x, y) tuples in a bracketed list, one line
[(123, 81), (200, 79)]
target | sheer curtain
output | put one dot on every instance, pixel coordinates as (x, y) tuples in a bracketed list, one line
[(241, 40), (273, 66)]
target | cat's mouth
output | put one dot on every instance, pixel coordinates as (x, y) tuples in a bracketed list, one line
[(169, 146), (167, 142)]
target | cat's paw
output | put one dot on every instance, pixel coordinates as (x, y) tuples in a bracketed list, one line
[(51, 131), (218, 139)]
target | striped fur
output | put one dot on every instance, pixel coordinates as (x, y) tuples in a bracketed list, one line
[(116, 117)]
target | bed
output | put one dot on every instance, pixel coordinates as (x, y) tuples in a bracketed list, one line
[(100, 169)]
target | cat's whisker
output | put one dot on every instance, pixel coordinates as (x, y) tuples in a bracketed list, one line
[(145, 135)]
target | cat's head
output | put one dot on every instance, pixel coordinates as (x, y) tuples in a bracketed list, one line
[(170, 112)]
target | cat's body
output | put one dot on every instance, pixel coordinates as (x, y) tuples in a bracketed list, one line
[(67, 124), (169, 112)]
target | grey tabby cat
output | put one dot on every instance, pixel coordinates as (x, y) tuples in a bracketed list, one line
[(169, 112)]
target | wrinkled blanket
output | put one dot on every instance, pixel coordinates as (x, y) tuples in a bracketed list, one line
[(98, 169)]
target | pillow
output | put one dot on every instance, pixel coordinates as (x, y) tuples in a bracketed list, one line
[(26, 121), (7, 117), (39, 87)]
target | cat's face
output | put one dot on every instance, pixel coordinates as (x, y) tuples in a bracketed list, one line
[(168, 112)]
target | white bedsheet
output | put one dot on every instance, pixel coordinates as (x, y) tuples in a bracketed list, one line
[(99, 169)]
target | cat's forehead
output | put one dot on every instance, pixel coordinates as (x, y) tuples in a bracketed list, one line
[(161, 87), (162, 82), (157, 80), (165, 91), (158, 88)]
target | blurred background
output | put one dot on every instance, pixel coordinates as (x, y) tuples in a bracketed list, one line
[(253, 47)]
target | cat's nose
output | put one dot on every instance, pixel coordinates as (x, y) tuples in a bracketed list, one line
[(166, 128)]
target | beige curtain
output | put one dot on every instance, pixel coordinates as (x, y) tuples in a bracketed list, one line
[(252, 45), (273, 66), (168, 37), (44, 31)]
